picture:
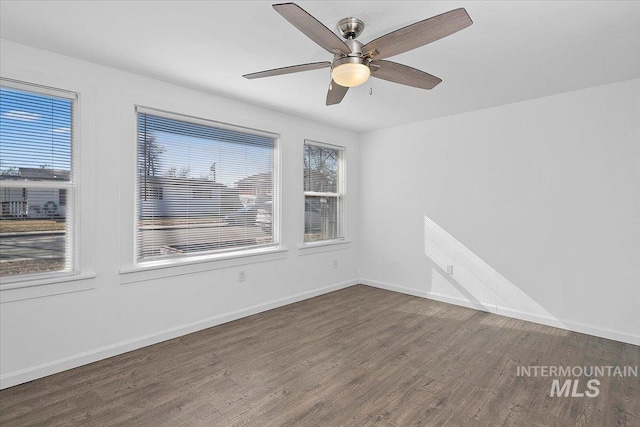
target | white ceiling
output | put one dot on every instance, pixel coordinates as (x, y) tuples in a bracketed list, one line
[(514, 51)]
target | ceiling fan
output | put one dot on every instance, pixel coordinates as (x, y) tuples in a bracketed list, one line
[(353, 62)]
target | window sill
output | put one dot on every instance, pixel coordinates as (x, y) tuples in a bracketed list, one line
[(37, 288), (178, 267), (323, 246)]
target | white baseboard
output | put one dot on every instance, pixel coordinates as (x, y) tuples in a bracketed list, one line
[(24, 375), (570, 325), (516, 314), (425, 294)]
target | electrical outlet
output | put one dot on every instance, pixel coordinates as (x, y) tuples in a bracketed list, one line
[(335, 263), (449, 268), (241, 276)]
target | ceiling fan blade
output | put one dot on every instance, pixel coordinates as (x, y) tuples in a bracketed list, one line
[(288, 70), (418, 34), (403, 74), (312, 28), (336, 93)]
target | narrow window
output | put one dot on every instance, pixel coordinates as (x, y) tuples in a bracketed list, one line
[(323, 192)]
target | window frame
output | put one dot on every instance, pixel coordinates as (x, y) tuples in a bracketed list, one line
[(72, 216), (141, 265), (340, 196)]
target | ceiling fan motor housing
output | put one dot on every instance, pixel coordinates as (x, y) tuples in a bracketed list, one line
[(350, 60), (355, 57), (355, 46)]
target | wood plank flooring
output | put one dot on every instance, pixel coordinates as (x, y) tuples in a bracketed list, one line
[(355, 357)]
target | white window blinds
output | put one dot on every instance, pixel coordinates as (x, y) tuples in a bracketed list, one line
[(203, 187), (37, 189)]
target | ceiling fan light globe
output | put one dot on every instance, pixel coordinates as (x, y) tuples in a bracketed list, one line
[(350, 74)]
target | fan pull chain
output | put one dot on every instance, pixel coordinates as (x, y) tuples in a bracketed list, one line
[(370, 88)]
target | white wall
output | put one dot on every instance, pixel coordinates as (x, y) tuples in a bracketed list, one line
[(535, 204), (111, 309)]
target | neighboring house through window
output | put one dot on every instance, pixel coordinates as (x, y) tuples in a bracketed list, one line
[(323, 192), (37, 196), (200, 184)]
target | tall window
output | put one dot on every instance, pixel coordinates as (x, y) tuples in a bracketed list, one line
[(203, 187), (323, 192), (37, 189)]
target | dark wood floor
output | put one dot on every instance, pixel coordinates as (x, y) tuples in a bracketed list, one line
[(359, 356)]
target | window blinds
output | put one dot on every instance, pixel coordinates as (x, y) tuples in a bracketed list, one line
[(202, 187)]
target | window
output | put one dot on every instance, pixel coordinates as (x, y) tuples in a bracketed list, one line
[(201, 185), (37, 197), (152, 192), (323, 192)]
